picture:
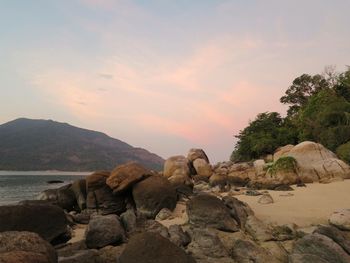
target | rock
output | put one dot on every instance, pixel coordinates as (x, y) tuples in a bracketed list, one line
[(282, 151), (49, 221), (109, 254), (100, 196), (336, 235), (240, 174), (163, 214), (341, 219), (218, 179), (153, 248), (258, 230), (177, 170), (306, 258), (238, 209), (259, 166), (79, 189), (55, 182), (63, 197), (202, 168), (276, 251), (265, 199), (206, 244), (153, 226), (283, 187), (219, 216), (17, 247), (123, 177), (153, 194), (321, 246), (318, 164), (128, 220), (285, 232), (104, 230), (81, 256), (178, 236), (253, 193), (201, 186), (246, 251), (195, 154), (82, 218)]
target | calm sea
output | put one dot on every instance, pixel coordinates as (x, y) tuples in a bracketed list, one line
[(17, 186)]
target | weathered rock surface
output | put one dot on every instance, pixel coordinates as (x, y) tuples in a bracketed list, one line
[(153, 194), (246, 251), (79, 189), (218, 179), (128, 219), (123, 177), (194, 154), (336, 235), (100, 196), (209, 211), (63, 197), (238, 209), (49, 221), (265, 199), (177, 170), (282, 151), (322, 247), (153, 248), (202, 168), (341, 219), (258, 230), (82, 256), (178, 236), (18, 247), (104, 230)]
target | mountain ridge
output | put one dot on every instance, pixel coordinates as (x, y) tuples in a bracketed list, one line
[(37, 144)]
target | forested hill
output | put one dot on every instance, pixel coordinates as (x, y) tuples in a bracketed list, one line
[(31, 145)]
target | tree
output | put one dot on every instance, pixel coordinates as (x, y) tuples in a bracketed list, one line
[(302, 88)]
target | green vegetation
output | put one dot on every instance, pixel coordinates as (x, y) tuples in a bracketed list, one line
[(286, 164), (343, 151), (319, 110)]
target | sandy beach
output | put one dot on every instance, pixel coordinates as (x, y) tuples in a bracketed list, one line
[(306, 206)]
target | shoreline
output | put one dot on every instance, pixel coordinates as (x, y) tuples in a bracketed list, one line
[(49, 172)]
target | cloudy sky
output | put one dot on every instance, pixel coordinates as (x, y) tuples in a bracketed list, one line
[(166, 75)]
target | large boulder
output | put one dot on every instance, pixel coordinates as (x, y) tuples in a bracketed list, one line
[(153, 194), (240, 174), (209, 211), (153, 248), (176, 169), (25, 247), (79, 189), (100, 196), (282, 151), (49, 221), (203, 169), (63, 197), (336, 235), (247, 251), (322, 247), (194, 154), (258, 230), (104, 230), (341, 219), (123, 177), (238, 210), (318, 164)]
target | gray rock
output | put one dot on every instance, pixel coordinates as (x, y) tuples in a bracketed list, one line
[(258, 230), (322, 247), (238, 209), (153, 248), (336, 235), (341, 219), (209, 211), (245, 251), (63, 197), (306, 258), (103, 231), (81, 256), (25, 247), (178, 236), (284, 232), (79, 189), (128, 220), (265, 199)]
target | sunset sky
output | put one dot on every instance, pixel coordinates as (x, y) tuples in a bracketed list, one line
[(164, 75)]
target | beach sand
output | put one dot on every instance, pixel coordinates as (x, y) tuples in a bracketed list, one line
[(310, 205)]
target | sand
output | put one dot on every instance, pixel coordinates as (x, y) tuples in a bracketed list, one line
[(310, 205)]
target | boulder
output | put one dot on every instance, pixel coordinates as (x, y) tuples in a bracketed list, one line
[(282, 151), (203, 169), (336, 235), (164, 214), (178, 236), (63, 197), (322, 247), (318, 164), (123, 177), (153, 194), (306, 258), (100, 196), (152, 226), (240, 174), (128, 219), (49, 221), (259, 166), (153, 248), (218, 180), (341, 219), (177, 170), (82, 256), (109, 254), (79, 189), (258, 230), (265, 199), (285, 232), (26, 247), (104, 230), (247, 251), (238, 209), (219, 216), (194, 154)]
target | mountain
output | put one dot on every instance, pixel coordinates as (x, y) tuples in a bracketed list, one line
[(32, 145)]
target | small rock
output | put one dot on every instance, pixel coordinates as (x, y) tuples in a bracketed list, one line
[(265, 199), (341, 219), (253, 193), (283, 187), (178, 236)]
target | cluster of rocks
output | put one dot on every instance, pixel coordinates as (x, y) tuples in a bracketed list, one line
[(130, 216)]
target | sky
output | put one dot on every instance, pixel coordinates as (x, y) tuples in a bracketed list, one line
[(165, 75)]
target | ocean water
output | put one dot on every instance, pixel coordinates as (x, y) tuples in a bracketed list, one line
[(18, 186)]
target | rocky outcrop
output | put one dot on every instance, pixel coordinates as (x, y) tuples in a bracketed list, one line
[(103, 231), (209, 211), (153, 194), (28, 247), (49, 221), (177, 170), (123, 177), (153, 248)]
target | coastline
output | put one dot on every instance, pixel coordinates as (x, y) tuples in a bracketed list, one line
[(49, 172)]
